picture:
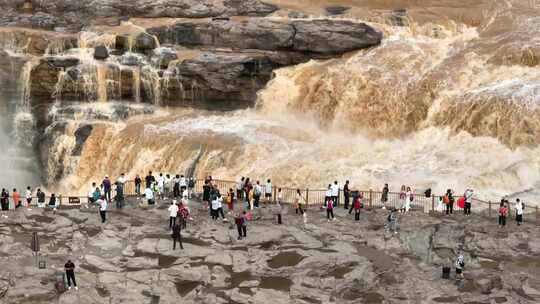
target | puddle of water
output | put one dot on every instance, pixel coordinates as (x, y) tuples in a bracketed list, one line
[(185, 287), (372, 298), (445, 299), (340, 272), (276, 283), (40, 218), (285, 259), (380, 260), (195, 241)]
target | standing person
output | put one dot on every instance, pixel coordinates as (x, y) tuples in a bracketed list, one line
[(107, 187), (330, 211), (28, 196), (120, 191), (206, 193), (218, 210), (247, 190), (230, 201), (448, 201), (346, 195), (70, 274), (40, 198), (191, 186), (328, 195), (16, 197), (384, 196), (138, 182), (149, 196), (91, 193), (177, 235), (268, 191), (335, 193), (298, 202), (356, 205), (460, 266), (257, 191), (173, 212), (160, 185), (103, 208), (176, 186), (52, 202), (149, 180), (519, 212), (392, 221), (279, 197), (503, 212), (167, 185), (183, 183), (240, 189), (468, 201), (4, 200), (409, 197), (402, 198)]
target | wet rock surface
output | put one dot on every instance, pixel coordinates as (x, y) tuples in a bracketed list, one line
[(130, 259)]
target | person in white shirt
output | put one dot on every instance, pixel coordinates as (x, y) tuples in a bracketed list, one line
[(468, 201), (149, 195), (519, 212), (328, 195), (408, 199), (173, 212), (183, 183), (268, 191), (161, 185), (102, 201), (240, 189), (217, 207), (167, 186), (257, 192), (335, 193), (28, 196)]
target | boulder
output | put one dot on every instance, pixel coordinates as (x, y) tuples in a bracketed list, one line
[(145, 42), (101, 52), (336, 10)]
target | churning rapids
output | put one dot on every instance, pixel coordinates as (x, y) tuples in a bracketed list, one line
[(449, 99)]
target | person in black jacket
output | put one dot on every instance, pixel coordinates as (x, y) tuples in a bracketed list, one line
[(177, 236), (70, 274), (346, 195)]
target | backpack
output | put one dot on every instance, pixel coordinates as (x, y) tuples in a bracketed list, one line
[(446, 200), (191, 183)]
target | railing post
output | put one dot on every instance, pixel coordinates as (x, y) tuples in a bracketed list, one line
[(433, 203), (370, 199), (274, 194), (489, 209), (307, 197)]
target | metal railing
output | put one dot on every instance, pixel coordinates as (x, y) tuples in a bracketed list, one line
[(315, 198)]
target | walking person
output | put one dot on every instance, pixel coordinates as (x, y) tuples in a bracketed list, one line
[(28, 196), (183, 215), (173, 212), (391, 221), (103, 208), (330, 211), (298, 202), (448, 201), (70, 274), (239, 221), (346, 195), (119, 198), (40, 198), (138, 182), (52, 202), (328, 195), (107, 188), (384, 196), (183, 183), (177, 235), (460, 266), (206, 194), (191, 186), (149, 180), (503, 213), (217, 207), (161, 186), (519, 212), (468, 201)]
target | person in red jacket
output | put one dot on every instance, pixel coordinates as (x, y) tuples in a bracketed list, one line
[(357, 204), (503, 213)]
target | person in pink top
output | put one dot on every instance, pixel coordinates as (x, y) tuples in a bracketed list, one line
[(330, 210)]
